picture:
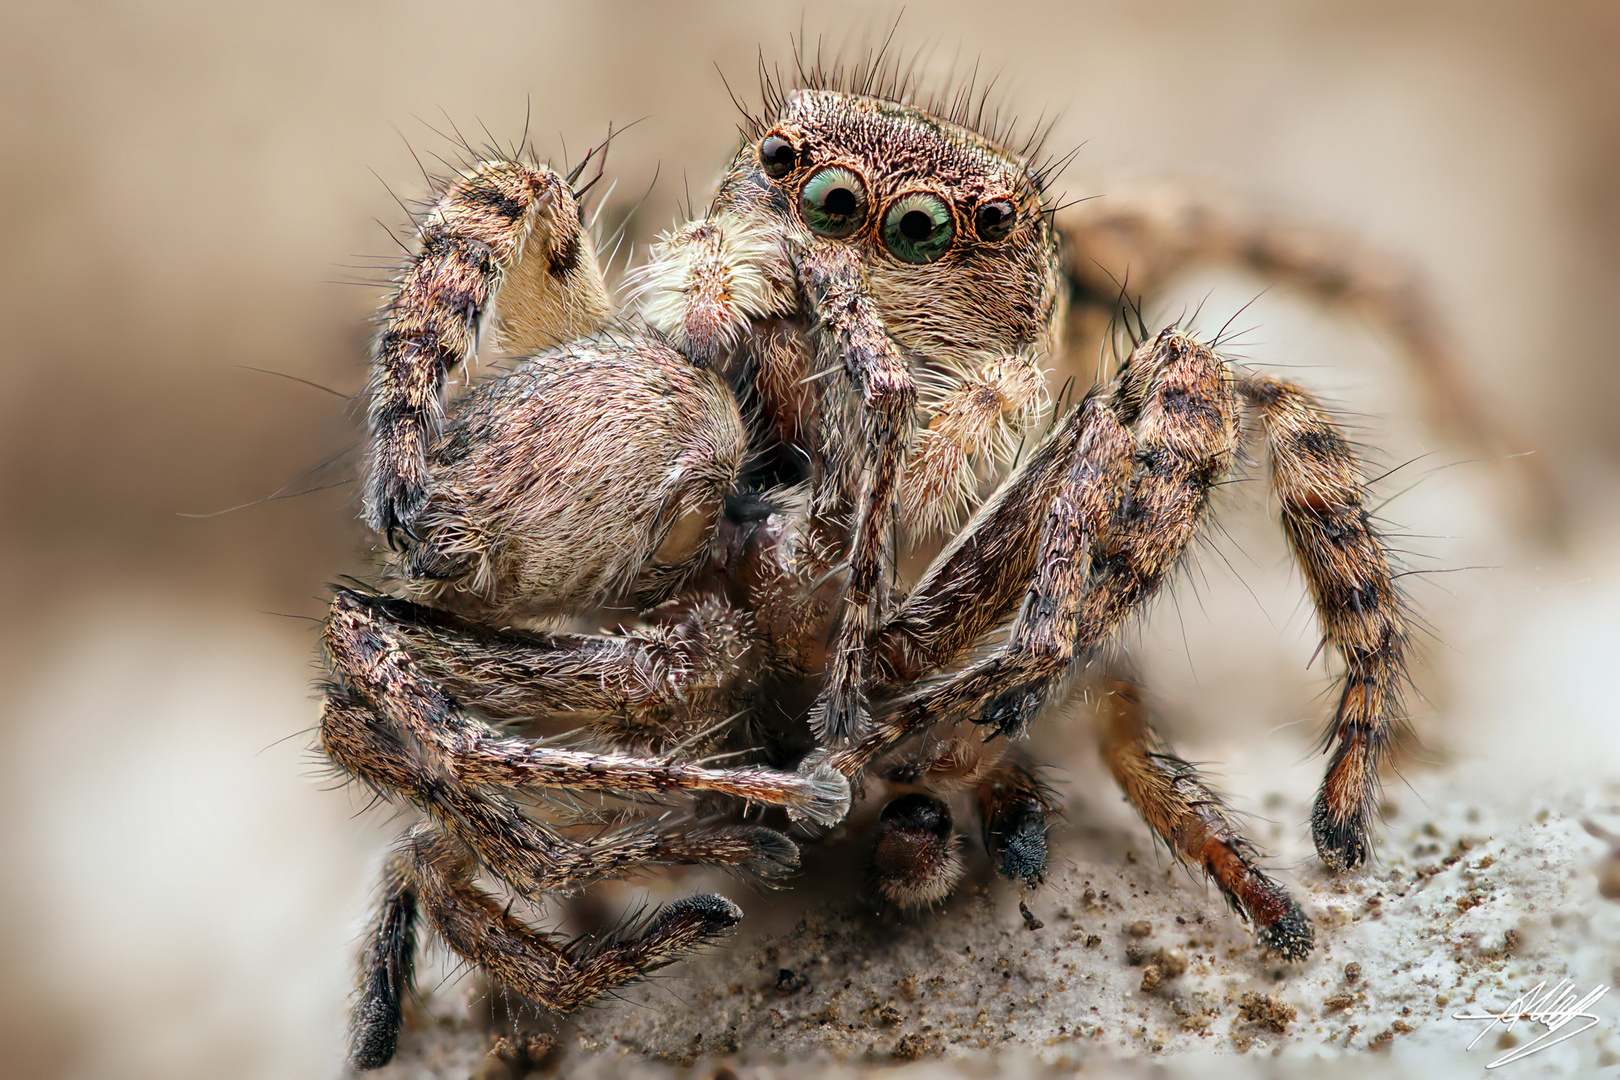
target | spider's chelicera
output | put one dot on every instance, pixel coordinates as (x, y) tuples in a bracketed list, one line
[(673, 530)]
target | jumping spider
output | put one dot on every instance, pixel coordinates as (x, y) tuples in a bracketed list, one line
[(674, 529)]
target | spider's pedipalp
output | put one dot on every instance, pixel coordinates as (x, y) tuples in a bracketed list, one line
[(1346, 567), (977, 417), (1180, 807)]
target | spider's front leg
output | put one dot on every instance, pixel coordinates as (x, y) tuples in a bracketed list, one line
[(1116, 510), (850, 334), (503, 227), (1120, 508)]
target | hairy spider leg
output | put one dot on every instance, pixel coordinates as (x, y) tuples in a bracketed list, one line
[(1146, 234), (1179, 805), (435, 872), (850, 334), (499, 223), (1345, 563)]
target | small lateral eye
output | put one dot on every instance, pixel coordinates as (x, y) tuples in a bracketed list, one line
[(834, 202), (994, 219), (918, 227), (777, 156)]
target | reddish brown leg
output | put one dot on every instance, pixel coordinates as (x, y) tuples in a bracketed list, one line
[(1189, 818)]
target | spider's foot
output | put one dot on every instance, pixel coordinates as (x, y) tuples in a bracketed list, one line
[(1010, 712), (1280, 924), (392, 505), (840, 715), (1018, 846), (829, 793), (1291, 935), (373, 1032), (686, 924), (775, 858), (1341, 843)]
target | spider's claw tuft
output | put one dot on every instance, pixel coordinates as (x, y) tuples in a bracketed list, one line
[(1340, 843), (839, 716), (1018, 847), (709, 913), (1010, 713), (829, 794), (1291, 936), (392, 505), (373, 1033), (775, 857)]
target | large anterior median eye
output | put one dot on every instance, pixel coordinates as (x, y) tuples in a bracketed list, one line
[(834, 202), (918, 227)]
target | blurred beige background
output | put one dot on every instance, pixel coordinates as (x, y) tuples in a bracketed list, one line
[(181, 184)]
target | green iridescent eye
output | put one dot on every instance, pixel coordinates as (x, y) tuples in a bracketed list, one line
[(918, 227), (834, 202)]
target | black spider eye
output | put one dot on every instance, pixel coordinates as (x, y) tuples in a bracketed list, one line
[(918, 227), (777, 156), (834, 202), (994, 219)]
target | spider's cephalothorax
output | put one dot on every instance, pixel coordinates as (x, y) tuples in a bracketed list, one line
[(836, 361)]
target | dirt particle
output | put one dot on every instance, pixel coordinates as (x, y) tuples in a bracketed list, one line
[(1267, 1010), (909, 1047), (1352, 971), (1140, 929), (1342, 1000), (889, 1014), (1031, 923), (789, 981), (516, 1056)]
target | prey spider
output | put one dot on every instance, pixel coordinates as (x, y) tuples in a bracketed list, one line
[(674, 527)]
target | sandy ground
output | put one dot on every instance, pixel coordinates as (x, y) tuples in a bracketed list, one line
[(183, 891)]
